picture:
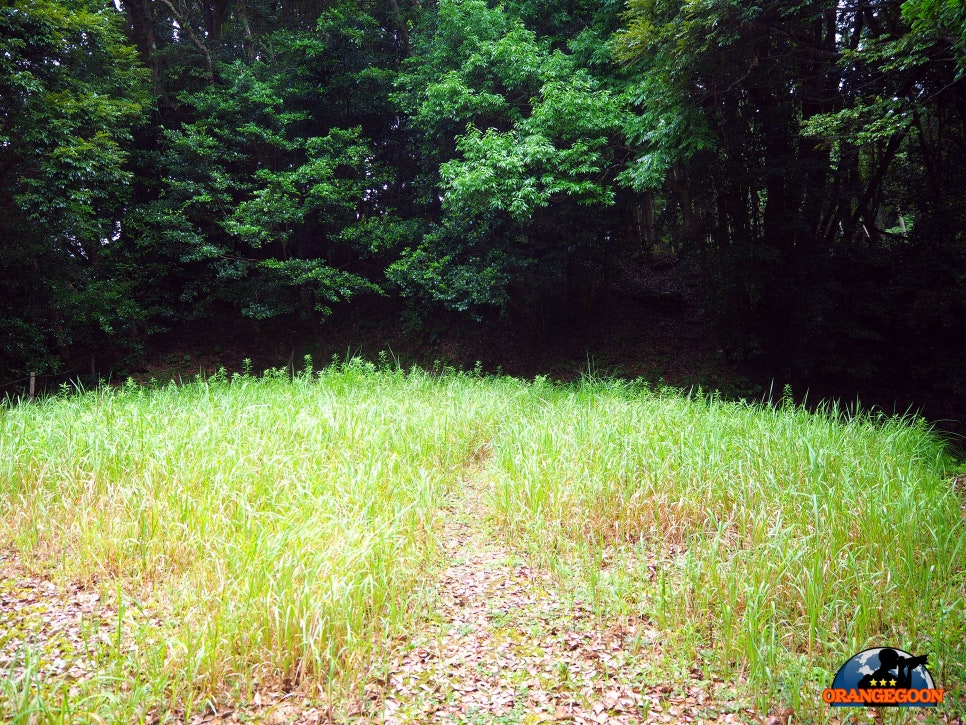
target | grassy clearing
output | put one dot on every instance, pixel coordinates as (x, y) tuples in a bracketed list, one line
[(255, 529)]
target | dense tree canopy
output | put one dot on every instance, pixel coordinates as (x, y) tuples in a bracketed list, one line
[(163, 161), (815, 148), (71, 94), (520, 146)]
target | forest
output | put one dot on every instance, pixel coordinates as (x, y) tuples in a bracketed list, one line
[(779, 183), (173, 164)]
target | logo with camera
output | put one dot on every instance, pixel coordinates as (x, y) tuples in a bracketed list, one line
[(883, 677)]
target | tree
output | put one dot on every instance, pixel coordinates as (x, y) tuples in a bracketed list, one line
[(519, 146), (71, 93), (796, 143), (276, 146)]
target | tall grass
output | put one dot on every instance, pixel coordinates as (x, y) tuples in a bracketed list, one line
[(769, 543), (281, 525), (283, 528)]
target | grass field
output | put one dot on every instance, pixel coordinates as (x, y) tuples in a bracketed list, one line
[(274, 528)]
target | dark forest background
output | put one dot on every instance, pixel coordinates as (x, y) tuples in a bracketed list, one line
[(169, 166)]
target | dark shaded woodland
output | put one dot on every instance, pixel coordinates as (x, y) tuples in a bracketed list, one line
[(178, 165)]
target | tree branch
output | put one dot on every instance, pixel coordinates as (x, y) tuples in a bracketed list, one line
[(209, 66)]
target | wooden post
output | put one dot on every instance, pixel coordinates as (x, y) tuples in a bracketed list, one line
[(33, 385)]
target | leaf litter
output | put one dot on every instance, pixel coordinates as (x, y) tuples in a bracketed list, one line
[(501, 646), (49, 632)]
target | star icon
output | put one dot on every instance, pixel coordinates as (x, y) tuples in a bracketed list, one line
[(892, 682), (873, 683)]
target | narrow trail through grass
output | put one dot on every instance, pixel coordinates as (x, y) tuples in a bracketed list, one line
[(503, 644)]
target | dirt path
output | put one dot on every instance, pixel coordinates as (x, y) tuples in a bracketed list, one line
[(499, 645), (502, 647)]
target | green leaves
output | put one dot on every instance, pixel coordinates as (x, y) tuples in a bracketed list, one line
[(941, 21), (513, 128), (323, 191), (471, 280), (271, 187), (326, 284), (71, 95), (520, 173), (866, 122)]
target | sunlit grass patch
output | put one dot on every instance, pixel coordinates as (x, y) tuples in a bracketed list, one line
[(283, 526), (251, 530)]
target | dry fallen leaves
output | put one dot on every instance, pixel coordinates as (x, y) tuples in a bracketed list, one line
[(501, 646), (64, 630)]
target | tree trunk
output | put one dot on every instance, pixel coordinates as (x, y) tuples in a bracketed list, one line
[(140, 16), (247, 30), (216, 15)]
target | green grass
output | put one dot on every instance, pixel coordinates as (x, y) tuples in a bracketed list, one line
[(283, 527), (272, 528), (768, 543)]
